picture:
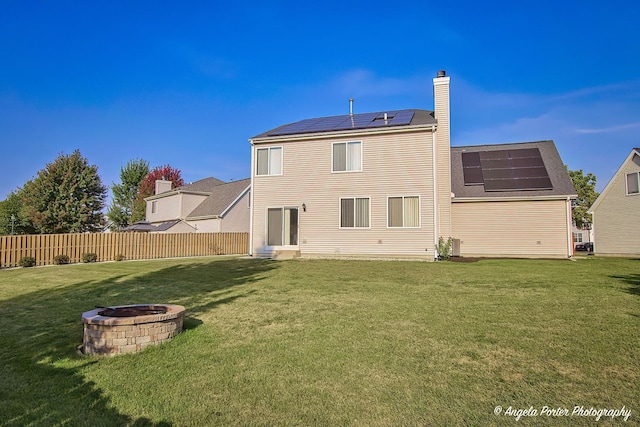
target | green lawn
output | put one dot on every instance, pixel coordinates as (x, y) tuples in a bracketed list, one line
[(328, 343)]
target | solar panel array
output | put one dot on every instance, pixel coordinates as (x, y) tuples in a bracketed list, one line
[(346, 122), (506, 170)]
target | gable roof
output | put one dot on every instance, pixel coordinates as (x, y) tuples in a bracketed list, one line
[(221, 198), (353, 123), (146, 226), (634, 152), (561, 185), (203, 185), (140, 226)]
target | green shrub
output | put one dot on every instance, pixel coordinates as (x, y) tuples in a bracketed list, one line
[(119, 257), (61, 259), (89, 257), (27, 261), (443, 248)]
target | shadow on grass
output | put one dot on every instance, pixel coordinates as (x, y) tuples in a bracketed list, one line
[(40, 331), (630, 279)]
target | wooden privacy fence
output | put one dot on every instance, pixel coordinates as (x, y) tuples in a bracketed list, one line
[(112, 246)]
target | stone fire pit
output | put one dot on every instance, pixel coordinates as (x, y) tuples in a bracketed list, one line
[(130, 328)]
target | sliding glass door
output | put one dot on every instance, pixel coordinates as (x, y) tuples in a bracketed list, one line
[(282, 227)]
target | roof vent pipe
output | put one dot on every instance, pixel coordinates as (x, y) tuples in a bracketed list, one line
[(351, 106), (441, 73)]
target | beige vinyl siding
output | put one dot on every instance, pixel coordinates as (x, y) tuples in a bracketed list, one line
[(167, 209), (172, 207), (211, 225), (392, 164), (616, 219), (237, 218), (189, 203), (536, 228)]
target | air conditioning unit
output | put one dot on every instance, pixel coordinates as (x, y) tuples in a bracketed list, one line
[(455, 247)]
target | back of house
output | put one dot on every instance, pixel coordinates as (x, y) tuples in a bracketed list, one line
[(388, 184)]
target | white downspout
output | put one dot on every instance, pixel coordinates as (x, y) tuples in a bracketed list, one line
[(251, 192), (569, 229), (435, 192)]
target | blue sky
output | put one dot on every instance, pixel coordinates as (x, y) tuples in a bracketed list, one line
[(187, 83)]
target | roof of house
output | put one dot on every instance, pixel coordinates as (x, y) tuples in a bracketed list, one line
[(220, 199), (203, 185), (140, 226), (558, 183), (146, 226), (354, 122), (634, 152), (167, 225)]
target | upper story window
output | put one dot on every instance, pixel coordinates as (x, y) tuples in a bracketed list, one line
[(633, 183), (347, 156), (269, 161), (154, 206), (403, 212)]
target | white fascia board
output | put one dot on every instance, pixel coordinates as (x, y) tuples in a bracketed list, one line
[(352, 133), (512, 199), (197, 218)]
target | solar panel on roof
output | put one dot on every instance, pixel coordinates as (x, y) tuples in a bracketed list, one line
[(506, 170), (337, 123), (496, 154), (535, 184), (527, 162), (524, 152), (471, 169), (473, 176)]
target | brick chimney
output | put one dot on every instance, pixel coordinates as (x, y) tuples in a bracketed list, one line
[(163, 186), (443, 152)]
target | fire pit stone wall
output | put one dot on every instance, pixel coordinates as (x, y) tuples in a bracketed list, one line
[(109, 336)]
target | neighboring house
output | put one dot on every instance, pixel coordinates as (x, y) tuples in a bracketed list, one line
[(380, 184), (208, 205), (616, 212), (511, 200), (581, 236)]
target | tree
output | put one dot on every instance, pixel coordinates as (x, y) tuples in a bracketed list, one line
[(12, 221), (124, 194), (585, 186), (67, 196), (148, 185)]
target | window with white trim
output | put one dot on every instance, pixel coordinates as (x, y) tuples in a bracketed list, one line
[(633, 183), (354, 212), (282, 226), (403, 212), (269, 161), (577, 237), (154, 206), (347, 156)]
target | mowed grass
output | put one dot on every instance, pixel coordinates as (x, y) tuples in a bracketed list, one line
[(327, 342)]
